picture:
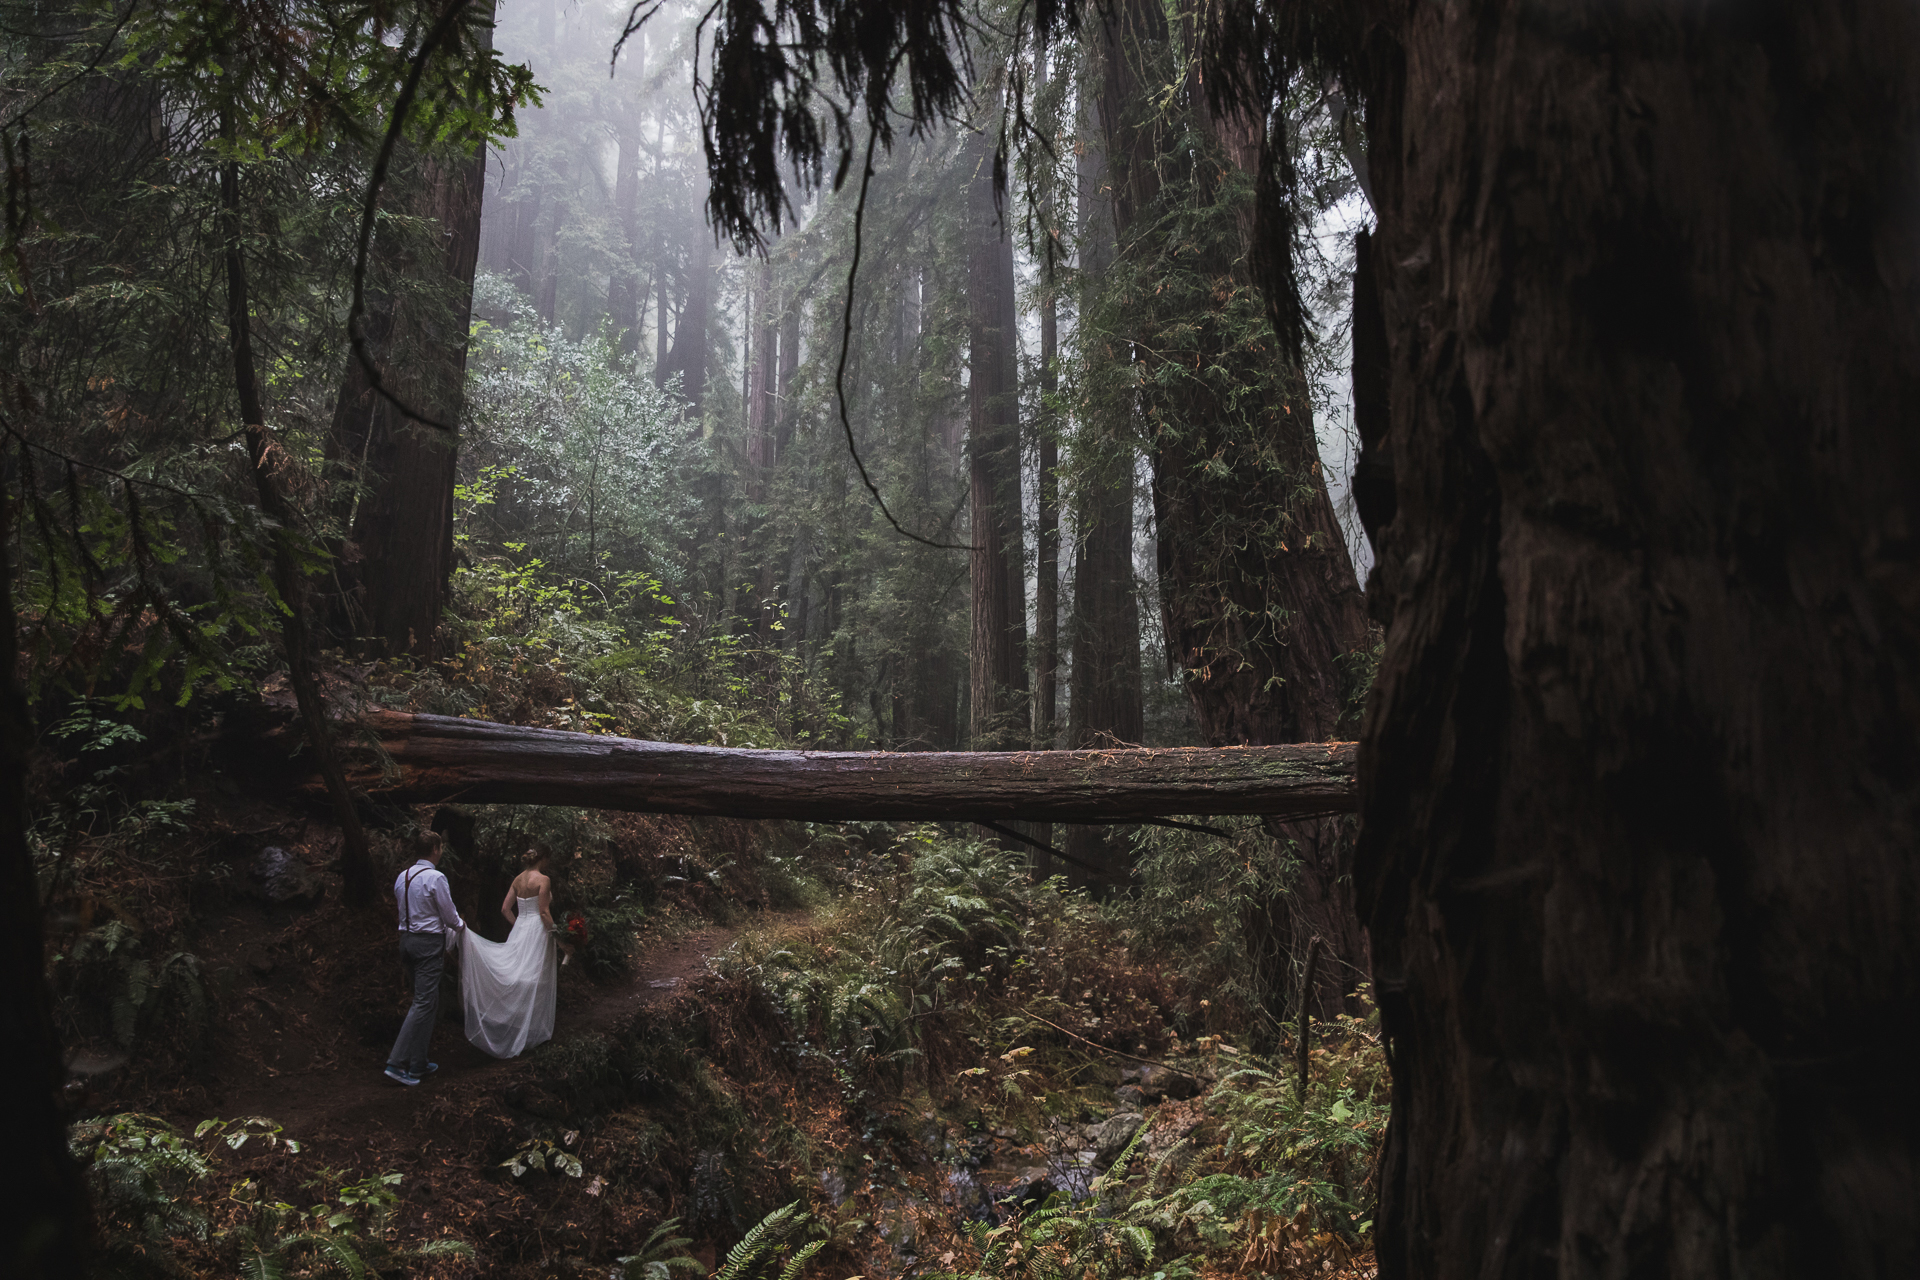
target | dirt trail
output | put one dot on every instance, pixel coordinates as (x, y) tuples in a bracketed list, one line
[(349, 1100)]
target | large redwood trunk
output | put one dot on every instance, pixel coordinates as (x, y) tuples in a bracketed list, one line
[(1001, 719), (1257, 592), (1641, 778), (401, 541), (399, 552)]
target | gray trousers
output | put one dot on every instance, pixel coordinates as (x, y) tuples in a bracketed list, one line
[(424, 955)]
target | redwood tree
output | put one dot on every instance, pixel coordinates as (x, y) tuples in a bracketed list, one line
[(399, 548), (1001, 718), (1641, 776)]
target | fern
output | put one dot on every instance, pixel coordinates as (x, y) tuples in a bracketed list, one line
[(262, 1267), (799, 1262), (343, 1255), (762, 1243), (659, 1257)]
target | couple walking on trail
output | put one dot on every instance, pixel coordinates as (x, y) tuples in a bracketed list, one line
[(507, 989)]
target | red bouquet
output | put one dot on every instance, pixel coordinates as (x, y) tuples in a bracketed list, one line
[(572, 934)]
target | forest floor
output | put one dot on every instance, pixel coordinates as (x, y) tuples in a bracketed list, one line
[(680, 1089), (327, 1088)]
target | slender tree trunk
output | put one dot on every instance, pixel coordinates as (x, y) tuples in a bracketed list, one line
[(1640, 769), (783, 411), (546, 252), (1046, 595), (264, 455), (1001, 718), (1104, 624), (626, 294), (660, 347), (44, 1215), (763, 412)]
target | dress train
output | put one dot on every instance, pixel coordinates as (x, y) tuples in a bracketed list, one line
[(507, 989)]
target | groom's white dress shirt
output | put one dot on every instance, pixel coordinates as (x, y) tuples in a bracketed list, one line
[(425, 901)]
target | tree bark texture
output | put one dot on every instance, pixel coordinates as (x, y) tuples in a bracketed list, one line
[(1001, 718), (1641, 779), (400, 550), (424, 759)]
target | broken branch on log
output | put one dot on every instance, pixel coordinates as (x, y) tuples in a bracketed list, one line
[(417, 759)]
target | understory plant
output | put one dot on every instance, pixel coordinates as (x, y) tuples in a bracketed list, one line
[(150, 1184)]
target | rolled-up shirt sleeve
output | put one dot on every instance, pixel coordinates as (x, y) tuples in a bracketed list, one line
[(441, 896)]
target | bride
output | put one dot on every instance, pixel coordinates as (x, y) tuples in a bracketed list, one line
[(507, 988)]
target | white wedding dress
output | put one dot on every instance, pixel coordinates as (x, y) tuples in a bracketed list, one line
[(508, 988)]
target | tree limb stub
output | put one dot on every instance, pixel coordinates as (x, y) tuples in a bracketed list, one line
[(427, 759)]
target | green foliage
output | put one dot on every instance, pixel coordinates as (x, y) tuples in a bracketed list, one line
[(570, 450), (954, 931), (145, 1176), (140, 1170), (144, 998), (659, 1255), (768, 1245), (546, 1155)]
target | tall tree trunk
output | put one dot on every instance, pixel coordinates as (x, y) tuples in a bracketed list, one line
[(1046, 594), (1640, 772), (400, 532), (546, 256), (783, 409), (1000, 717), (44, 1216), (1104, 624), (626, 293), (688, 356), (401, 518), (1258, 597), (266, 458), (660, 327), (763, 411)]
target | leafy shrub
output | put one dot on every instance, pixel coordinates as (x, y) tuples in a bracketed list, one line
[(143, 999), (145, 1178), (891, 969)]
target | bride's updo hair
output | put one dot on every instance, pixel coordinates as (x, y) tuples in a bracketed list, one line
[(537, 858)]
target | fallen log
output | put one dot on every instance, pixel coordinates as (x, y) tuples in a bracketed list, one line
[(415, 759)]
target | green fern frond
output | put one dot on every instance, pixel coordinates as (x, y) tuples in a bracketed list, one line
[(262, 1266), (799, 1261), (765, 1237), (342, 1254)]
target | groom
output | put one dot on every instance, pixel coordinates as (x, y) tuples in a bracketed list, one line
[(427, 917)]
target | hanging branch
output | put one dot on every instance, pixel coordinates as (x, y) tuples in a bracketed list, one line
[(370, 209), (846, 345)]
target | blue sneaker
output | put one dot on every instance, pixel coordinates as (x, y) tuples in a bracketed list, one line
[(431, 1068), (399, 1076)]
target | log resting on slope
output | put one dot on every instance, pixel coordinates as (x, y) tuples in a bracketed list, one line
[(429, 759)]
